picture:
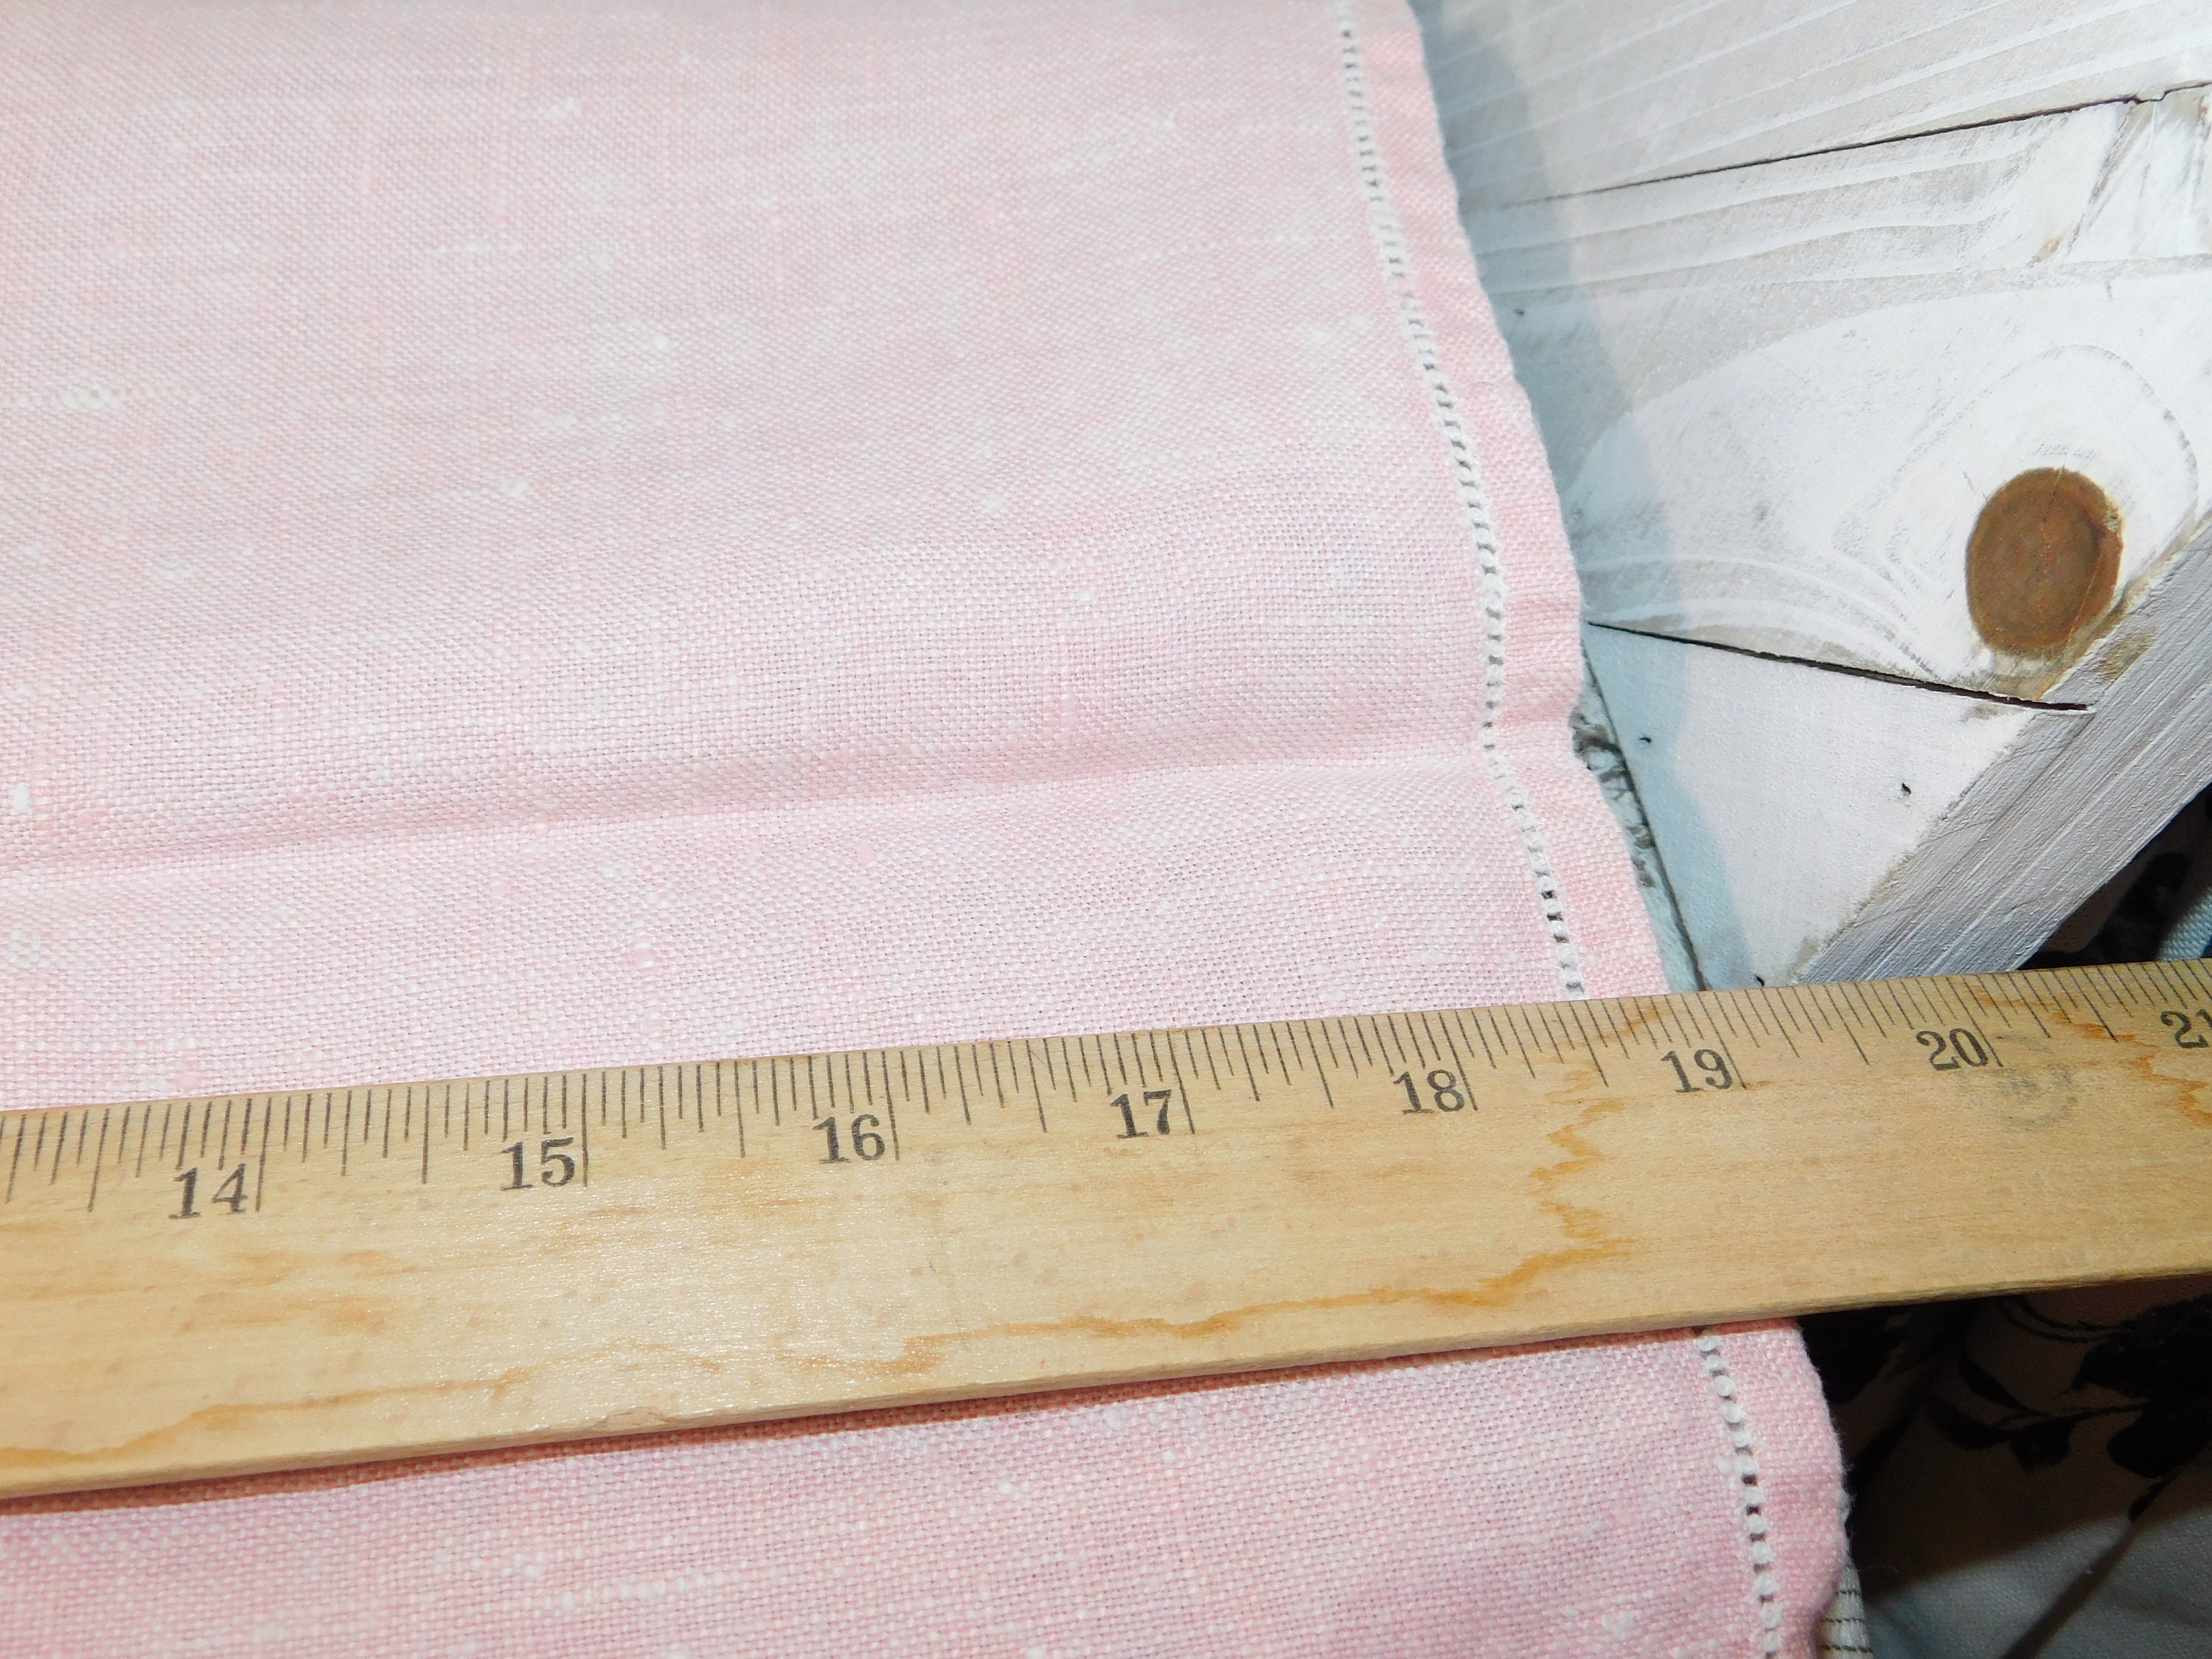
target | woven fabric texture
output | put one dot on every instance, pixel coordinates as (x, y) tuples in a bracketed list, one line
[(543, 536)]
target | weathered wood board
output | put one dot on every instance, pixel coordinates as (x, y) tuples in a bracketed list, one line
[(1816, 823), (1543, 99), (1777, 401), (1778, 825)]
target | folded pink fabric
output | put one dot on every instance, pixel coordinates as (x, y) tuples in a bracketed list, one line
[(544, 535)]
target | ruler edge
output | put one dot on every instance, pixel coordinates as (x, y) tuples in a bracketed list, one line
[(1670, 998), (373, 1460)]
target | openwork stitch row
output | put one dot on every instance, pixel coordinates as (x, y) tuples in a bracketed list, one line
[(1474, 503)]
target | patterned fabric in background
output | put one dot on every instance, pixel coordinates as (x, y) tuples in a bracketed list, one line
[(2048, 1496)]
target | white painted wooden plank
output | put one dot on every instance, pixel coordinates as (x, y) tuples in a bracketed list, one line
[(1776, 824), (1775, 399), (1548, 97), (2008, 865), (1775, 792)]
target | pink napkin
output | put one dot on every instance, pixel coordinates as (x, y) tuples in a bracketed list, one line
[(544, 535)]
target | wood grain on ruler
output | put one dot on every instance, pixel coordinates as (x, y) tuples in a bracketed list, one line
[(272, 1281)]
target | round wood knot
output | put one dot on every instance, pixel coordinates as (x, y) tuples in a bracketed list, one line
[(2043, 562)]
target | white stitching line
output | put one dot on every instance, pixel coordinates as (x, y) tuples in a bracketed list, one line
[(1466, 477), (1741, 1462)]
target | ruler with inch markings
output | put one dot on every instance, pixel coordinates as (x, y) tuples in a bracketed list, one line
[(192, 1288)]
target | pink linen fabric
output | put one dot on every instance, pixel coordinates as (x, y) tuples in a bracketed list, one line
[(543, 536)]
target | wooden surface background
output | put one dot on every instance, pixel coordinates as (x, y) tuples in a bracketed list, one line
[(1544, 99), (1792, 305)]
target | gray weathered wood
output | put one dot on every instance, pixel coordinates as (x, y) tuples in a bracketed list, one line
[(1776, 400), (1545, 98)]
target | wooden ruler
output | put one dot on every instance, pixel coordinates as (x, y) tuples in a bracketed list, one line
[(190, 1288)]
